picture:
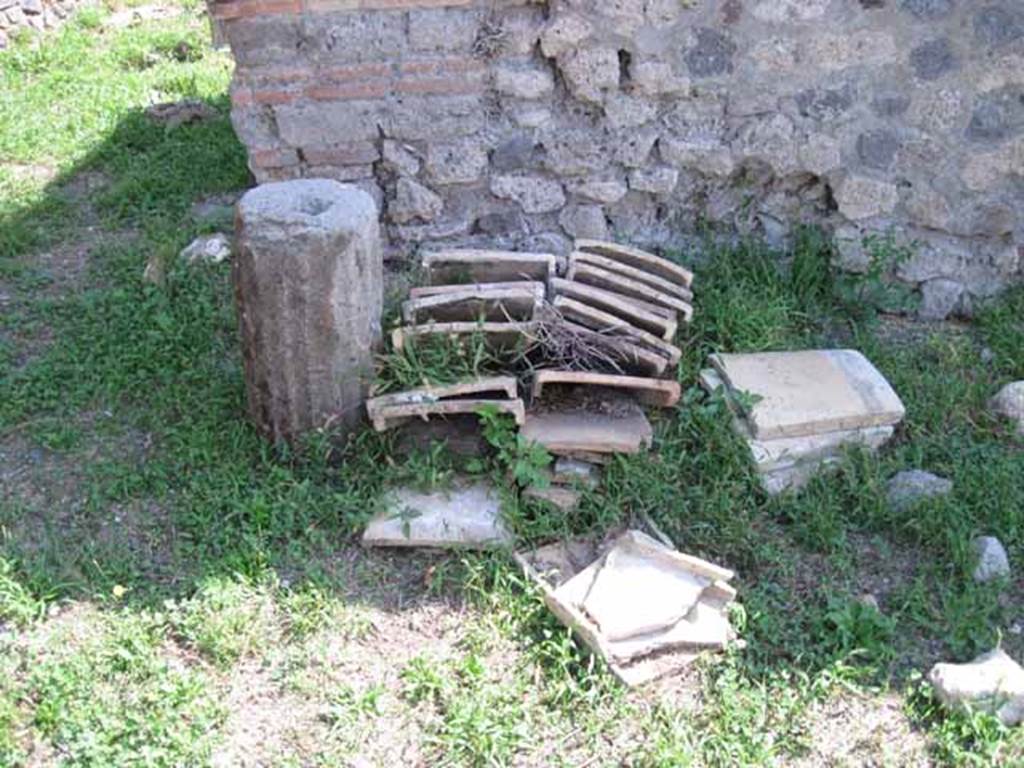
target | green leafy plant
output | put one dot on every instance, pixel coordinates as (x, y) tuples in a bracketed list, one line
[(523, 458), (862, 296)]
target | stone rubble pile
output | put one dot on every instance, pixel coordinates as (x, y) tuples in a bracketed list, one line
[(798, 411)]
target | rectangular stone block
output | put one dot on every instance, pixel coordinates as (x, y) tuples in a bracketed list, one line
[(810, 392)]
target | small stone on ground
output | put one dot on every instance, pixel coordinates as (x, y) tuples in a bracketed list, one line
[(993, 562), (913, 486), (1009, 403)]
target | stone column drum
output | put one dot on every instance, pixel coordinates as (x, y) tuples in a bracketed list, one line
[(309, 288)]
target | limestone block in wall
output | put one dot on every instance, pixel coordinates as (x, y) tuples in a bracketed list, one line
[(309, 286)]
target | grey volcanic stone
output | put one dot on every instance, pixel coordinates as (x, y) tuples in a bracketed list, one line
[(993, 562), (998, 115), (940, 299), (825, 103), (517, 153), (712, 55), (997, 25), (309, 285), (1009, 403), (877, 149), (913, 486), (929, 9), (890, 104), (933, 59)]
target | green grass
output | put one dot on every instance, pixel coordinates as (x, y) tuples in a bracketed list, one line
[(155, 554)]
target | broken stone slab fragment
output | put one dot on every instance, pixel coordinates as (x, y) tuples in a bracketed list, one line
[(207, 249), (809, 392), (659, 284), (656, 392), (782, 455), (910, 487), (589, 421), (607, 323), (308, 281), (575, 472), (564, 499), (1009, 404), (610, 281), (497, 336), (646, 317), (992, 683), (466, 516), (391, 410), (639, 586), (993, 562), (472, 304), (480, 266), (638, 259)]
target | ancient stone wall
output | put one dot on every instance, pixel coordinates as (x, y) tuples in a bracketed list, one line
[(527, 123), (34, 14)]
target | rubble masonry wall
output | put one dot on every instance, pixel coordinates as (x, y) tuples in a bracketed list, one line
[(523, 124), (32, 14)]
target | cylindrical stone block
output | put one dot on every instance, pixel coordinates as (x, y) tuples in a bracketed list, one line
[(309, 288)]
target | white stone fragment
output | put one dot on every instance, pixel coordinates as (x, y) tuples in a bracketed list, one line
[(208, 249), (992, 683)]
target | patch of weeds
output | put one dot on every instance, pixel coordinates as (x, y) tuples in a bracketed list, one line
[(964, 738), (1002, 327), (861, 296), (520, 458), (852, 629), (226, 620), (116, 701), (17, 603), (306, 611), (437, 359), (480, 721)]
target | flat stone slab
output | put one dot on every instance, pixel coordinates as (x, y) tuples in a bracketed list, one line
[(785, 453), (482, 266), (807, 393), (516, 303), (638, 259), (645, 608), (605, 322), (464, 516), (632, 273), (499, 336), (392, 410), (634, 289), (657, 392), (588, 421), (646, 317)]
